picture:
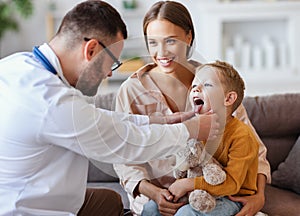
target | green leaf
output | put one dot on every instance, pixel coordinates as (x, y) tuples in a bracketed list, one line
[(25, 7), (8, 10)]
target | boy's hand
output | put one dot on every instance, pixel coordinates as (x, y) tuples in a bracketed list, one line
[(181, 187)]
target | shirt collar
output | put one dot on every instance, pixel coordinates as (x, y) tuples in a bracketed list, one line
[(52, 58)]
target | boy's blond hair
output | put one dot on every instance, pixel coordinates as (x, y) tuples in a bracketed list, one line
[(230, 79)]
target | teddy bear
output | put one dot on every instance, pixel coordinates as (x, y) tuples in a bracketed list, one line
[(195, 161)]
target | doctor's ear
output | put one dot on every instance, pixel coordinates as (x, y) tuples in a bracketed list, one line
[(230, 98), (90, 49)]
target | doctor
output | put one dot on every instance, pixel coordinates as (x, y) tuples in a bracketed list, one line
[(49, 130)]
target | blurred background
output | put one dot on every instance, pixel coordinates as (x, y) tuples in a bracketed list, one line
[(259, 37)]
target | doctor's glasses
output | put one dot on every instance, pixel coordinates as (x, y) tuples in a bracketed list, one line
[(116, 63)]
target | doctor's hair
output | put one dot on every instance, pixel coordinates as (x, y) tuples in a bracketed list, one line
[(230, 79), (91, 19), (173, 12)]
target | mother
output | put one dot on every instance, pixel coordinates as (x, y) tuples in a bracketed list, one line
[(160, 88)]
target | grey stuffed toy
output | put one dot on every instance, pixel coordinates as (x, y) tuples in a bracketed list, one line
[(195, 161)]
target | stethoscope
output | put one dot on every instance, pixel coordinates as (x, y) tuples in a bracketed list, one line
[(45, 62)]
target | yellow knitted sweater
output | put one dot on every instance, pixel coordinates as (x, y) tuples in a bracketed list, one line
[(238, 154)]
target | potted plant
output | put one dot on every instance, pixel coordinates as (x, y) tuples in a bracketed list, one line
[(9, 9)]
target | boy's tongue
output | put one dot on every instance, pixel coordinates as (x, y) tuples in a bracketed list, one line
[(198, 104), (197, 108)]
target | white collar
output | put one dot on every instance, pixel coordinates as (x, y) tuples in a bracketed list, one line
[(52, 58)]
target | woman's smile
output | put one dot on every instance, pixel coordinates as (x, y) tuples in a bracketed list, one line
[(164, 61)]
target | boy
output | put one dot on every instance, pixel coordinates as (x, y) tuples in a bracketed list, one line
[(219, 87)]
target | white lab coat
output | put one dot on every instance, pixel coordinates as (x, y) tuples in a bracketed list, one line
[(48, 131)]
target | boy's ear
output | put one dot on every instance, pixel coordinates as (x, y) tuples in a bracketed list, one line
[(230, 98)]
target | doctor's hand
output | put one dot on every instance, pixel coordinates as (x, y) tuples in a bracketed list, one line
[(172, 118), (203, 127)]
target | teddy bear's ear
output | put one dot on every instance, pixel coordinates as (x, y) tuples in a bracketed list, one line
[(192, 142), (193, 150), (192, 146)]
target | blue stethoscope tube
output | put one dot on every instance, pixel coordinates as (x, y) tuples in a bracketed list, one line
[(45, 62)]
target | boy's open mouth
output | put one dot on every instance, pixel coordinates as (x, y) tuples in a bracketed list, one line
[(198, 103)]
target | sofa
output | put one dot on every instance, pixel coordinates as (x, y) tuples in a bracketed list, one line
[(276, 119)]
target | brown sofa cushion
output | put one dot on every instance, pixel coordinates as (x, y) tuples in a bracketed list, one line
[(274, 115), (280, 202), (278, 148), (288, 173), (276, 119)]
